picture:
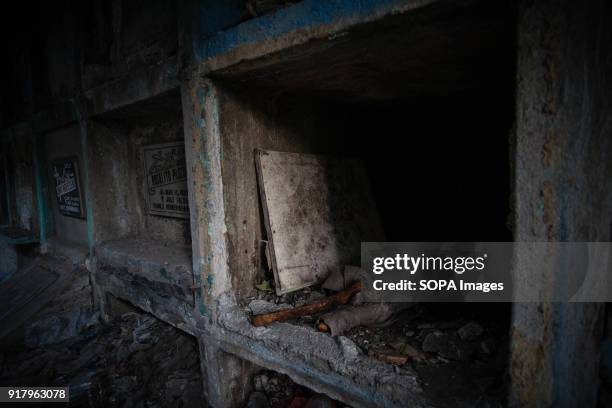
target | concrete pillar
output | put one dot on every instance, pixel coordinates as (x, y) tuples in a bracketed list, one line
[(563, 168), (225, 377)]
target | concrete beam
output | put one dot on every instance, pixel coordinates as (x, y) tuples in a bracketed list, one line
[(295, 25)]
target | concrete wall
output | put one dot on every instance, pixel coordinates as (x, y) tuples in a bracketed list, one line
[(249, 122), (62, 143), (118, 183), (563, 173)]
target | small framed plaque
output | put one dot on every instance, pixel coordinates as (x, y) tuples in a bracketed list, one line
[(166, 175), (65, 173)]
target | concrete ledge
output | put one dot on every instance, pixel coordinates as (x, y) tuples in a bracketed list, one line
[(133, 88), (318, 361), (156, 278), (146, 296), (17, 236)]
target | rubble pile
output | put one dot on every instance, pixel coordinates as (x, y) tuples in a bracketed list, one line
[(421, 337), (458, 352), (137, 361), (66, 316)]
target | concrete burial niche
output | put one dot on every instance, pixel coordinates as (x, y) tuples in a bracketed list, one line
[(139, 198), (19, 218), (64, 162), (426, 101)]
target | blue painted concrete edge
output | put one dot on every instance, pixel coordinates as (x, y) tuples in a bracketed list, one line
[(308, 13)]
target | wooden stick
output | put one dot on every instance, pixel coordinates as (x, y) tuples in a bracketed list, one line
[(388, 356), (321, 305)]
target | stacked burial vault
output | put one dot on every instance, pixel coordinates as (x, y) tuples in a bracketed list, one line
[(168, 186)]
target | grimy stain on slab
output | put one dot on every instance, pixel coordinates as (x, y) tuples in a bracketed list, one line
[(317, 212)]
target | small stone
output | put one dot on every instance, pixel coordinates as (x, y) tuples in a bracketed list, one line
[(470, 331)]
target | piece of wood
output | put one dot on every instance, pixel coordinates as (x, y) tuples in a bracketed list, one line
[(317, 211), (321, 305), (322, 327), (388, 356)]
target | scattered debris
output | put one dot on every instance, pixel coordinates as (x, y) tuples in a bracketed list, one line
[(135, 361), (275, 390), (388, 356), (318, 306)]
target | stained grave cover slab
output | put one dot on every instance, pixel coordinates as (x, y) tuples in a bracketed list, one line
[(317, 211)]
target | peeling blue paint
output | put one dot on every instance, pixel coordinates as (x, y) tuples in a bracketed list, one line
[(209, 282), (308, 13), (164, 273)]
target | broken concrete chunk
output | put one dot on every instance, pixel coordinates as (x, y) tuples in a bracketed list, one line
[(349, 349), (260, 306), (470, 331)]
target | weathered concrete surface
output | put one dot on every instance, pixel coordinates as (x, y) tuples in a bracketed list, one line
[(118, 183), (318, 361), (246, 123), (562, 186), (563, 170), (294, 25), (167, 269), (135, 87), (204, 175)]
